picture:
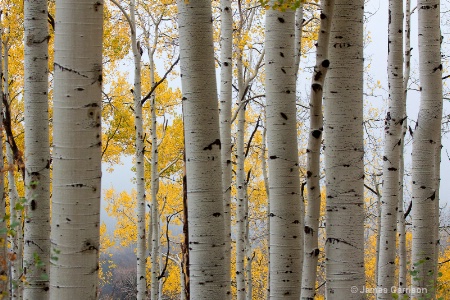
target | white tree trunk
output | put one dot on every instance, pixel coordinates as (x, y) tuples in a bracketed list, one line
[(344, 165), (36, 252), (241, 184), (154, 186), (76, 150), (311, 247), (393, 129), (426, 147), (202, 142), (286, 210), (401, 229), (16, 226), (298, 36), (225, 98), (14, 205), (139, 163)]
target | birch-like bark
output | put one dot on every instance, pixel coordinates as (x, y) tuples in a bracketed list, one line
[(401, 229), (286, 213), (393, 125), (202, 142), (75, 224), (139, 163), (298, 37), (36, 251), (15, 225), (154, 186), (426, 147), (344, 152), (241, 184), (225, 98), (311, 247), (15, 210)]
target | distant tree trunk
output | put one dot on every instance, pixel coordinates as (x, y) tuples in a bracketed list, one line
[(426, 147), (36, 253), (241, 184), (401, 230), (393, 125), (75, 226), (311, 250), (15, 210), (286, 211), (226, 68), (154, 186), (139, 164), (344, 152), (15, 207), (203, 166), (298, 37)]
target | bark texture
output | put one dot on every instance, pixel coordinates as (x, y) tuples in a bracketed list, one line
[(344, 153), (36, 252), (426, 147), (203, 145), (393, 136), (286, 213), (76, 150)]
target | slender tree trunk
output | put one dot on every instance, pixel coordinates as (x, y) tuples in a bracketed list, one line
[(15, 207), (226, 68), (37, 153), (311, 251), (139, 163), (286, 213), (393, 125), (241, 184), (426, 145), (75, 226), (298, 36), (203, 166), (154, 186), (344, 153), (401, 229)]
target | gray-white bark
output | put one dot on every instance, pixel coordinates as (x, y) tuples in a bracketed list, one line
[(426, 146), (311, 247), (202, 143), (344, 151), (36, 251), (393, 135), (75, 225), (225, 98), (286, 210)]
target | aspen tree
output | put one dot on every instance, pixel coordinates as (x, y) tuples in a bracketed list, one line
[(285, 215), (202, 144), (36, 252), (15, 206), (401, 229), (225, 101), (75, 225), (426, 147), (311, 250), (344, 151), (139, 161), (393, 125)]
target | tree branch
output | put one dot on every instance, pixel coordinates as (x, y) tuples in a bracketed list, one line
[(160, 81)]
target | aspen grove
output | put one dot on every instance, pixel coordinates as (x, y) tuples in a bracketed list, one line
[(224, 149)]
